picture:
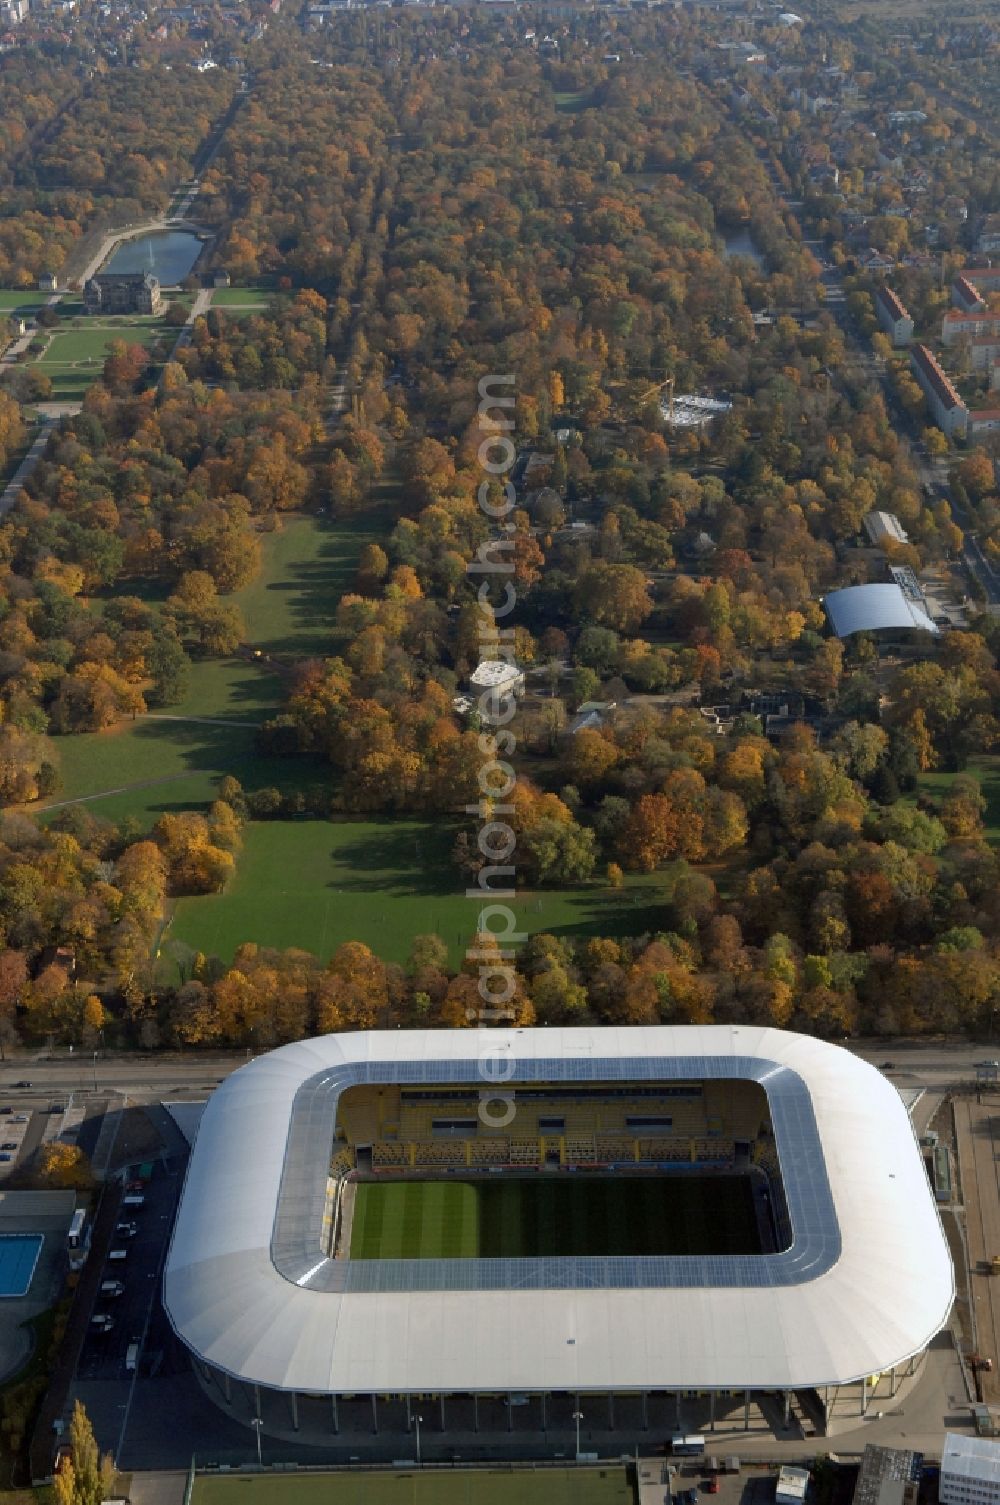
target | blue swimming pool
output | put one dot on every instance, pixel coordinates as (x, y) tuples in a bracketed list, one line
[(18, 1257)]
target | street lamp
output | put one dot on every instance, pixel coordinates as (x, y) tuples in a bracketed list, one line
[(578, 1417), (256, 1422), (418, 1420)]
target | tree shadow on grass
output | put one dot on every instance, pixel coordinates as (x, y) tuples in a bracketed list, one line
[(398, 859), (228, 750), (313, 588)]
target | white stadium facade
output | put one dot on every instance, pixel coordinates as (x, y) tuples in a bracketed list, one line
[(281, 1324)]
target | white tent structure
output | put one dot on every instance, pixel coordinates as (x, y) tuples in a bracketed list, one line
[(864, 1286)]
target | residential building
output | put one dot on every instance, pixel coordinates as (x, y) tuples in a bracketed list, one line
[(48, 283), (983, 351), (988, 239), (983, 421), (893, 317), (986, 279), (946, 407), (123, 293), (957, 324), (875, 261), (970, 1471), (966, 296)]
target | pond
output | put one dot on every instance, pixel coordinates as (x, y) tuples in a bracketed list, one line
[(741, 243), (168, 254)]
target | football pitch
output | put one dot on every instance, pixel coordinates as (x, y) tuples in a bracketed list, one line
[(513, 1218), (556, 1486)]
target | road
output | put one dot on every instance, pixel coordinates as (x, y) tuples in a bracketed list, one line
[(145, 1079), (142, 1079), (864, 363)]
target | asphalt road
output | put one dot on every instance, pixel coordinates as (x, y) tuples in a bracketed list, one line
[(148, 1079)]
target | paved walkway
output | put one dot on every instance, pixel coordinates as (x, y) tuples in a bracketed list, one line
[(977, 1124), (14, 487), (198, 720), (158, 1489)]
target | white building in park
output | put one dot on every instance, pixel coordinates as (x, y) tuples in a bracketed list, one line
[(492, 684), (970, 1471), (294, 1300)]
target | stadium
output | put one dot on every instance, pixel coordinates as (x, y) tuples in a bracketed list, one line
[(548, 1219)]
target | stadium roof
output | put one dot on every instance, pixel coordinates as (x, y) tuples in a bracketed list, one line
[(869, 608), (866, 1283)]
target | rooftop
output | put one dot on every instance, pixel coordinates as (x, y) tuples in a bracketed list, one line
[(929, 365), (892, 302), (873, 608), (971, 1457)]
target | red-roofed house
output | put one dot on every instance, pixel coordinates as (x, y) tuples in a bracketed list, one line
[(966, 296), (893, 317), (947, 408), (957, 324)]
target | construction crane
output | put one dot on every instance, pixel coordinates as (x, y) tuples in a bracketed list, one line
[(662, 386)]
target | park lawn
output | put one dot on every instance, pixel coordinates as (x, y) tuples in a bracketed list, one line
[(150, 765), (308, 565), (987, 770), (92, 343), (25, 301), (315, 884), (550, 1486), (70, 383), (224, 297)]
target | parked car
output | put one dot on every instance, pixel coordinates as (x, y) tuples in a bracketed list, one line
[(712, 1485), (54, 1108), (5, 1157), (19, 1118), (22, 1084), (887, 1066), (5, 1111), (10, 1144)]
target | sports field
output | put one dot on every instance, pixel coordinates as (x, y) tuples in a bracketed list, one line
[(551, 1486), (585, 1214)]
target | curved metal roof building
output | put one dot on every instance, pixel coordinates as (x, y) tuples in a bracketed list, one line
[(871, 608), (865, 1284)]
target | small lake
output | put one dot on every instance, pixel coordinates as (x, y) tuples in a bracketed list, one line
[(168, 254), (742, 244)]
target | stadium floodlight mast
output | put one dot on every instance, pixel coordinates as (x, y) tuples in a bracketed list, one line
[(578, 1417), (257, 1423)]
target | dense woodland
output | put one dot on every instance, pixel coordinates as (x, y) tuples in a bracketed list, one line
[(449, 205)]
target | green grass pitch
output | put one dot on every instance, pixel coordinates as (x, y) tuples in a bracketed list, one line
[(551, 1486), (512, 1218)]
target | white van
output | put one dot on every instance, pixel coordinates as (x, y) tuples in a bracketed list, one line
[(117, 1256), (132, 1357)]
